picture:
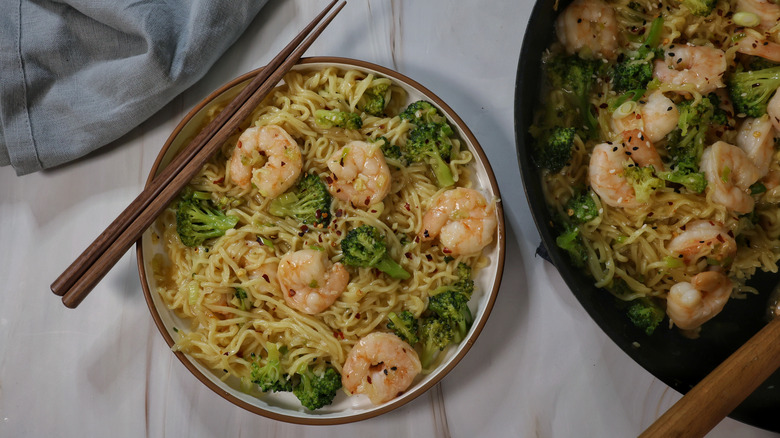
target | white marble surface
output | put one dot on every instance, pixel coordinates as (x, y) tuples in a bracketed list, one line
[(540, 368)]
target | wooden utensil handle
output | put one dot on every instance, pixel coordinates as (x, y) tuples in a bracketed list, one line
[(723, 389)]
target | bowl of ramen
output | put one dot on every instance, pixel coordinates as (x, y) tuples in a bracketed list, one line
[(646, 136), (338, 256)]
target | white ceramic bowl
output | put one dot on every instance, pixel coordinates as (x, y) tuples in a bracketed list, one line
[(284, 406)]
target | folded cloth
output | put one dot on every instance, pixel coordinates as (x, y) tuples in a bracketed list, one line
[(78, 74)]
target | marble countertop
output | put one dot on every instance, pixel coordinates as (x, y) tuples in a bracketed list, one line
[(541, 366)]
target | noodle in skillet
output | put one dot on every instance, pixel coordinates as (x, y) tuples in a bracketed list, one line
[(657, 247), (201, 284)]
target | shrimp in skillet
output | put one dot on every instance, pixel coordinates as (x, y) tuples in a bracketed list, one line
[(608, 162), (590, 25), (462, 219), (309, 281), (773, 109), (730, 173), (704, 239), (381, 366), (750, 45), (757, 138), (689, 305), (657, 117), (700, 66), (360, 174), (282, 165)]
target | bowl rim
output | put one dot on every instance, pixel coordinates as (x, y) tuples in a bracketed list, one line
[(466, 344)]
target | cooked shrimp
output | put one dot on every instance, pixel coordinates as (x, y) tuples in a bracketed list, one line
[(660, 116), (701, 66), (605, 171), (689, 305), (309, 281), (380, 366), (773, 109), (462, 219), (282, 166), (360, 174), (588, 24), (750, 45), (767, 12), (757, 138), (637, 146), (657, 117), (704, 239), (730, 173)]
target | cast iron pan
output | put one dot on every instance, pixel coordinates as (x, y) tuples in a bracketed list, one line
[(677, 361)]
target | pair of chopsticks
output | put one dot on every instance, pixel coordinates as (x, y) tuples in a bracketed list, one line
[(75, 283)]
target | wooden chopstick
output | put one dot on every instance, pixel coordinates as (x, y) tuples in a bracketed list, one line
[(722, 390), (79, 279)]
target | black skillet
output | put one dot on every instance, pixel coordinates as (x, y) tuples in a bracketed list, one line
[(677, 361)]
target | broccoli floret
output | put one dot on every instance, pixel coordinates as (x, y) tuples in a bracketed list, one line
[(751, 90), (645, 314), (315, 391), (198, 219), (309, 202), (452, 306), (759, 63), (581, 207), (633, 71), (435, 335), (695, 182), (390, 151), (422, 113), (337, 119), (575, 76), (450, 302), (430, 143), (701, 8), (270, 377), (570, 241), (553, 150), (373, 99), (404, 325), (643, 180), (685, 143), (365, 246)]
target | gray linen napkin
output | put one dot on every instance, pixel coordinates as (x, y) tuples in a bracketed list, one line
[(78, 74)]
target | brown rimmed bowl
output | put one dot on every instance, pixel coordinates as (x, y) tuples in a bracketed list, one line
[(345, 409)]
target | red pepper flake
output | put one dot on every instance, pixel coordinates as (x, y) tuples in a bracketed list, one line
[(408, 207), (291, 293), (408, 255), (357, 315), (338, 334), (219, 180), (339, 212), (367, 201), (265, 277), (329, 180), (446, 251)]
